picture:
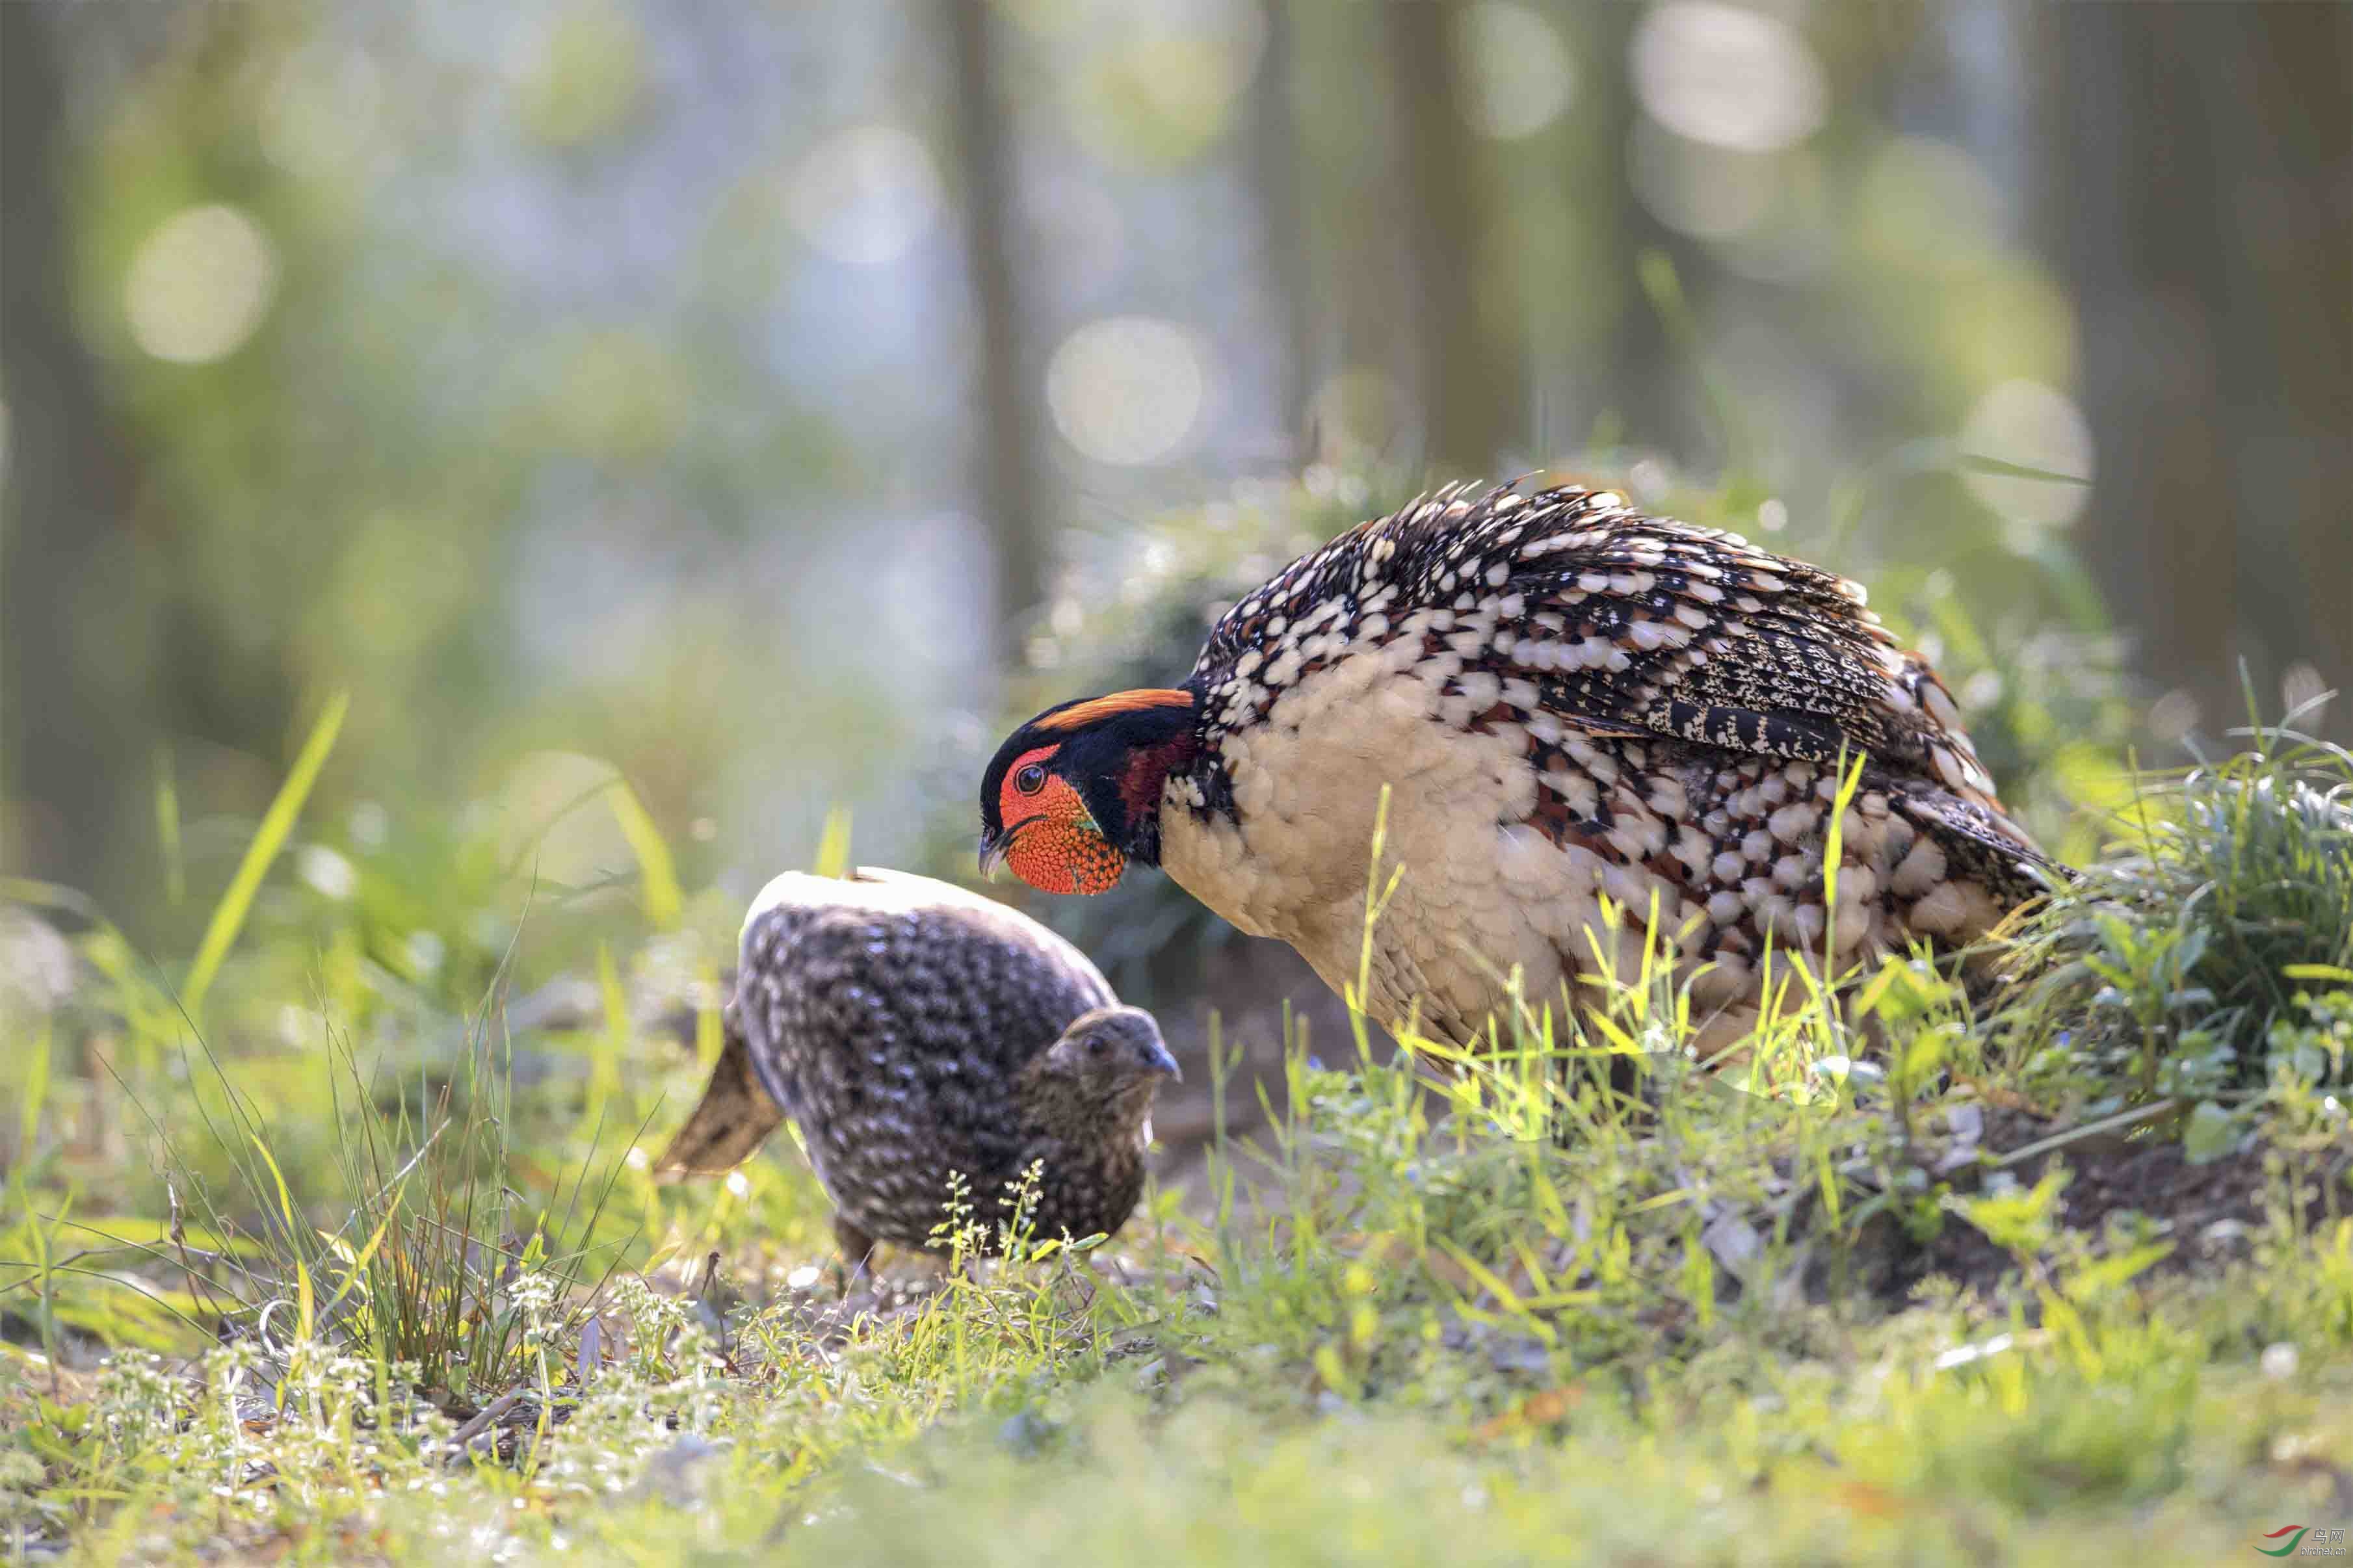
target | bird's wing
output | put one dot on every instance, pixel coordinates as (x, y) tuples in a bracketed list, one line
[(1568, 605), (880, 981), (857, 996)]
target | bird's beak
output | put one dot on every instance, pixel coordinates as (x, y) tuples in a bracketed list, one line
[(994, 846), (1157, 1059)]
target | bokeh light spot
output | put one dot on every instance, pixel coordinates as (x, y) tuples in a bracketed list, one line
[(1163, 89), (865, 194), (1727, 77), (1704, 191), (1927, 204), (199, 285), (581, 78), (1515, 68), (1127, 390)]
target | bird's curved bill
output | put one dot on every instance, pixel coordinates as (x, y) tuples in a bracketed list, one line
[(994, 846)]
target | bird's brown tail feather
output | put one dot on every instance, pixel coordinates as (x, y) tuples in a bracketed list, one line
[(733, 1117)]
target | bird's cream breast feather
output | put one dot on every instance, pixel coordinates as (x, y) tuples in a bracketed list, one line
[(1475, 896)]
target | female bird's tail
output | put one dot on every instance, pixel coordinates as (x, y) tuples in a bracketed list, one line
[(734, 1116)]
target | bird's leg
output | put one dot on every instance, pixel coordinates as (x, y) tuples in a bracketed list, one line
[(857, 1250)]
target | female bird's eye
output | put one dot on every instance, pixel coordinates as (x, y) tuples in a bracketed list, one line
[(1032, 779)]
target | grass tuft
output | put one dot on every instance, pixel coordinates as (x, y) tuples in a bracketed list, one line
[(2195, 962)]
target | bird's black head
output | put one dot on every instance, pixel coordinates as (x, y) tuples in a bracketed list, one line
[(1074, 795)]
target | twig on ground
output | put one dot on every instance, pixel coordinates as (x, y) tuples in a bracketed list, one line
[(485, 1420)]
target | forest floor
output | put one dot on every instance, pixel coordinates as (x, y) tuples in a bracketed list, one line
[(2067, 1281)]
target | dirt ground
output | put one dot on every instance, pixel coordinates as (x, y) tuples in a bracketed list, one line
[(2211, 1213)]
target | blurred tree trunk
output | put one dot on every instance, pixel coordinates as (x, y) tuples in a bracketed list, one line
[(1471, 387), (2197, 167), (1012, 499), (1274, 157), (78, 667)]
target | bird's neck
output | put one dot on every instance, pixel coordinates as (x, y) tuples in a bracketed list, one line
[(1145, 790), (1066, 1123)]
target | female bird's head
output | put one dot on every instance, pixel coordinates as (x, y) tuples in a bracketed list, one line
[(1074, 795), (1093, 1088)]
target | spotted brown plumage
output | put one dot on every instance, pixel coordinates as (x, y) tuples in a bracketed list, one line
[(912, 1029), (1570, 702)]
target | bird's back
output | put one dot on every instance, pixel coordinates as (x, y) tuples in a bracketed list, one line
[(1569, 602), (888, 1014), (1572, 701)]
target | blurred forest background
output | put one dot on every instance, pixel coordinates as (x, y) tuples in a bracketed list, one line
[(763, 401)]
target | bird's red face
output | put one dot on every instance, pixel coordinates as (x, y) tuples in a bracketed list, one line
[(1050, 838), (1073, 795)]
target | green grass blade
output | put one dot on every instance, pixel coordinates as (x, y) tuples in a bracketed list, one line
[(833, 844), (277, 826), (357, 1268), (293, 1238), (37, 1093), (1978, 463), (657, 872), (167, 829), (2327, 971)]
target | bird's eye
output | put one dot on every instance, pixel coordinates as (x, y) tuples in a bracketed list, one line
[(1032, 779)]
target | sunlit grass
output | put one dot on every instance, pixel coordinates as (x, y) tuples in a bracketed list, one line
[(405, 1293)]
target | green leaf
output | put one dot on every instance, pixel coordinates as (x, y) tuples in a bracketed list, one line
[(2096, 1279), (2019, 1221), (2213, 1132)]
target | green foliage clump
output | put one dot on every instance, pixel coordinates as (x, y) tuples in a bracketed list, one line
[(2199, 963)]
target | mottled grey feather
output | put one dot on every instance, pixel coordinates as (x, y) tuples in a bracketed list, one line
[(905, 1025)]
